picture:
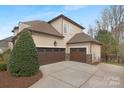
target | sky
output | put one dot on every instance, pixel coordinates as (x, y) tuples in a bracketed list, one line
[(12, 14)]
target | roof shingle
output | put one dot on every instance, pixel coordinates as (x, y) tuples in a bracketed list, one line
[(82, 38), (4, 42), (8, 39), (42, 27)]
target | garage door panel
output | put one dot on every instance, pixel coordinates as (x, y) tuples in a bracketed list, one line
[(50, 55), (78, 54)]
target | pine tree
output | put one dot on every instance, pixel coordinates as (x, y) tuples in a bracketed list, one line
[(23, 60)]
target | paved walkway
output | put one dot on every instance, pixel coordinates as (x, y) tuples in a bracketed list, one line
[(70, 74)]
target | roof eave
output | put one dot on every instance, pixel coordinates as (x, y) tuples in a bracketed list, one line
[(85, 42), (77, 42), (44, 33), (99, 43)]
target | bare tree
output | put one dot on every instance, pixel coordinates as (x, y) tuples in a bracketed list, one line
[(91, 31), (117, 16), (102, 23), (110, 20), (98, 25), (105, 15)]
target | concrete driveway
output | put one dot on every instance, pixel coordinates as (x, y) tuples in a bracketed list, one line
[(69, 74)]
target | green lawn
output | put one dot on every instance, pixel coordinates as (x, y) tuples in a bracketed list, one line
[(114, 63)]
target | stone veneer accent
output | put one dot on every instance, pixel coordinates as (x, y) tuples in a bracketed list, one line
[(67, 57), (89, 58)]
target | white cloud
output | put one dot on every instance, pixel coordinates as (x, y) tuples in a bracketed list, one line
[(74, 7)]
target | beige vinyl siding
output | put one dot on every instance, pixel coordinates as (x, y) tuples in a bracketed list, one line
[(16, 32), (57, 24), (43, 40), (71, 29), (96, 52), (22, 26)]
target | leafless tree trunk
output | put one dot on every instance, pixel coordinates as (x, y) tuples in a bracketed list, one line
[(117, 16), (110, 19), (104, 19), (91, 31)]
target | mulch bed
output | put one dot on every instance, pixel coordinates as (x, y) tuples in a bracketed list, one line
[(8, 81)]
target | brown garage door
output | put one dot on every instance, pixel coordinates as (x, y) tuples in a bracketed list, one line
[(50, 55), (78, 54)]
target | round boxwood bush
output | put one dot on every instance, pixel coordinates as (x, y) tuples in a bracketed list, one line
[(23, 60)]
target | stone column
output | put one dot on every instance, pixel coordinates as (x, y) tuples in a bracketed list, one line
[(89, 58), (67, 57)]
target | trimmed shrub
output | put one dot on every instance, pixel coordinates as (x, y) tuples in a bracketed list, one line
[(23, 60), (3, 67)]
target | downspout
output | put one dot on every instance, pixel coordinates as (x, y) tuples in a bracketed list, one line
[(91, 51), (62, 26), (66, 49), (67, 55), (90, 48)]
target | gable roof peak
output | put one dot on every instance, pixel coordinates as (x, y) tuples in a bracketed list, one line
[(68, 19)]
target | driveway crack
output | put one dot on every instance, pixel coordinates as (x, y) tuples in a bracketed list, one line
[(89, 78), (63, 81)]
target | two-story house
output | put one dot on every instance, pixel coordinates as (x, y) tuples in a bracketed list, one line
[(61, 39)]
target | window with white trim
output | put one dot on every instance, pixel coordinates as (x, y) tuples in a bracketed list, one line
[(65, 28)]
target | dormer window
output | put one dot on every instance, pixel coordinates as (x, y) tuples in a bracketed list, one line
[(65, 28)]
